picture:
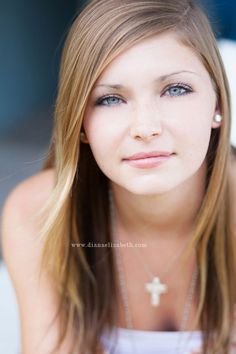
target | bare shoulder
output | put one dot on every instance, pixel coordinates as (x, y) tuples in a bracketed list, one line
[(31, 193), (19, 227), (22, 251), (22, 203)]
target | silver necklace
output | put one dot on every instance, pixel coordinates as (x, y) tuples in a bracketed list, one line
[(155, 287), (124, 291)]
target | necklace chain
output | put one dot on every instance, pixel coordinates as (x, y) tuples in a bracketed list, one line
[(147, 269), (169, 266), (124, 290)]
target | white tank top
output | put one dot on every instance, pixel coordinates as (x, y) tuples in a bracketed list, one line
[(125, 341)]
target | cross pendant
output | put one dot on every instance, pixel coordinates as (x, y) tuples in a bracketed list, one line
[(155, 288)]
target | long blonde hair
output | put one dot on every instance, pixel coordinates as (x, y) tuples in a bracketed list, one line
[(78, 209)]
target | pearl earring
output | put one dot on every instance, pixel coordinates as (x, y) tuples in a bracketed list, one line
[(218, 118)]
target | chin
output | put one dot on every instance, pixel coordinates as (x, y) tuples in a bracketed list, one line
[(149, 189)]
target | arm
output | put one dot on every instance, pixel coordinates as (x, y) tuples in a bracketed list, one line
[(36, 299)]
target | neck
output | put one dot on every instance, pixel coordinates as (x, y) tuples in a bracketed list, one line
[(165, 216)]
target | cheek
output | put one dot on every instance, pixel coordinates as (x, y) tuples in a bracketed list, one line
[(104, 137), (106, 126), (194, 133)]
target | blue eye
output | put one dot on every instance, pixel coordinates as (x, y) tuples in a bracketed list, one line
[(109, 101), (178, 90)]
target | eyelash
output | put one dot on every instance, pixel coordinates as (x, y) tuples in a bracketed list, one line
[(100, 100)]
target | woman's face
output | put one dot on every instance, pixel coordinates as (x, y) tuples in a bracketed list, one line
[(155, 98)]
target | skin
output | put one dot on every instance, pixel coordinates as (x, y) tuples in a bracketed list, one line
[(145, 114), (161, 99), (138, 202)]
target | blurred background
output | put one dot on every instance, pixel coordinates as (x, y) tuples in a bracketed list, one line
[(31, 39)]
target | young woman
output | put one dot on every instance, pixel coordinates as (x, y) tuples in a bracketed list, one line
[(125, 241)]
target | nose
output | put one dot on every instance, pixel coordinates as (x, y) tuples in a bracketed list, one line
[(146, 123)]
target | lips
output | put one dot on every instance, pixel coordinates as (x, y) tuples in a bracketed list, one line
[(146, 155)]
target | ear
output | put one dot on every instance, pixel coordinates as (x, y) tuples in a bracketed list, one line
[(217, 119), (83, 138)]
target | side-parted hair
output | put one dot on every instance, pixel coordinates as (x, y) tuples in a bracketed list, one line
[(77, 211)]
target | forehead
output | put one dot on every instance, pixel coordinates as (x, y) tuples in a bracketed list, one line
[(157, 55)]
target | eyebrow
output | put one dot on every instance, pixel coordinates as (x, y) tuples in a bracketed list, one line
[(159, 79)]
